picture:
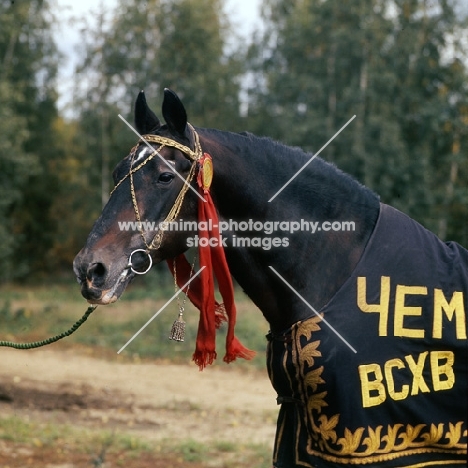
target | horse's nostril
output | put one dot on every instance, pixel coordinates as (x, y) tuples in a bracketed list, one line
[(96, 271)]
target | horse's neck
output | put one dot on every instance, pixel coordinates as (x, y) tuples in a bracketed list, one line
[(248, 172)]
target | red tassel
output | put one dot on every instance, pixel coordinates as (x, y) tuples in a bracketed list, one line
[(201, 291), (220, 315), (203, 358), (237, 350)]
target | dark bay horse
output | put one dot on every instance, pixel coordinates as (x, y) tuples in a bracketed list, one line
[(367, 309)]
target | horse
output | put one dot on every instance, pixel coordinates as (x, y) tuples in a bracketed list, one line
[(366, 308)]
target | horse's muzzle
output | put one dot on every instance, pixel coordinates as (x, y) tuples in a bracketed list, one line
[(99, 283)]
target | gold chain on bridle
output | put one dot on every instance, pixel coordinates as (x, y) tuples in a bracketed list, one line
[(176, 207)]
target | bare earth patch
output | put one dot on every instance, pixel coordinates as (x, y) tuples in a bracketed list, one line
[(151, 402)]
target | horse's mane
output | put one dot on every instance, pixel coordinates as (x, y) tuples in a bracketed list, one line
[(292, 156)]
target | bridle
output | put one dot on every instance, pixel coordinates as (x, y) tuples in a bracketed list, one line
[(211, 257), (194, 155)]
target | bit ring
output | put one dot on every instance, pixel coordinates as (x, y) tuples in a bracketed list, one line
[(129, 265)]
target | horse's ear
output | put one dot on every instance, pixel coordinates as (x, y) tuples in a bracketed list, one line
[(174, 113), (145, 119)]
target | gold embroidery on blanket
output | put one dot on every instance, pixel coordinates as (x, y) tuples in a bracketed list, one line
[(363, 444)]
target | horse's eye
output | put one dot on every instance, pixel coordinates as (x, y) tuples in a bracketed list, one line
[(166, 177)]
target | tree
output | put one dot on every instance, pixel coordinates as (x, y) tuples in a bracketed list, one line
[(27, 93), (322, 61), (180, 44), (193, 60), (15, 165)]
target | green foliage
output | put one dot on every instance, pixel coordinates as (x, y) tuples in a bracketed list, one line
[(181, 44), (193, 451), (15, 165), (400, 67), (27, 112)]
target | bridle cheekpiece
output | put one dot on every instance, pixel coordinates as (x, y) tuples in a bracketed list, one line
[(196, 156)]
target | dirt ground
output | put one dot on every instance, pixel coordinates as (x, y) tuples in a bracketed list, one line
[(150, 401)]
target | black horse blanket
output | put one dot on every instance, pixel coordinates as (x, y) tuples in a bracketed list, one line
[(401, 400)]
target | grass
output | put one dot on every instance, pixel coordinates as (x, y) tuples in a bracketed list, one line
[(37, 312), (101, 445)]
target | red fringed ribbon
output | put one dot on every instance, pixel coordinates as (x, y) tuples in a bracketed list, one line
[(201, 291)]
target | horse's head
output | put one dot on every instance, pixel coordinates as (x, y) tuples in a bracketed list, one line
[(150, 185)]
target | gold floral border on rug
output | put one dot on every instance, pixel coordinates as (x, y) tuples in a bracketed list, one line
[(363, 445)]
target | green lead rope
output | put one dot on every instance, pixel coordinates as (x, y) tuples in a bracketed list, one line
[(38, 344)]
